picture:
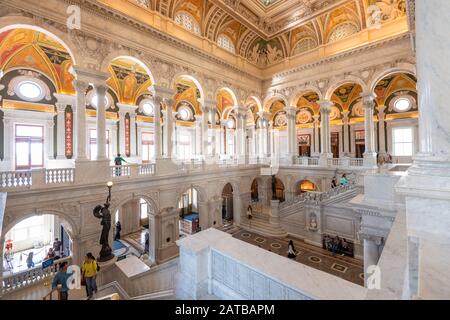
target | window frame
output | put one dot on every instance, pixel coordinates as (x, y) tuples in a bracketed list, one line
[(30, 140), (395, 143)]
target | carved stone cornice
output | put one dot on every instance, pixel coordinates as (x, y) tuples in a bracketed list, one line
[(340, 56)]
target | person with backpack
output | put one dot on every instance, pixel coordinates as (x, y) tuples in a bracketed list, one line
[(89, 272)]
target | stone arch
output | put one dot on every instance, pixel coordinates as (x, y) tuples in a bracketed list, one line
[(21, 22), (256, 100), (231, 92), (124, 55), (299, 92), (298, 180), (181, 75), (385, 73), (349, 79), (74, 229), (201, 193), (270, 98), (153, 203)]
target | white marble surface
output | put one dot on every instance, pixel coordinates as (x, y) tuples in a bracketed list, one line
[(301, 278), (132, 266)]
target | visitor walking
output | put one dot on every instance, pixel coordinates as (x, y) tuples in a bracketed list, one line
[(118, 229), (291, 250), (89, 271), (344, 180), (60, 281), (57, 247), (334, 183), (249, 212), (30, 263)]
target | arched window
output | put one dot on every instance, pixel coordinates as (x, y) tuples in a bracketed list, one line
[(304, 45), (342, 31), (188, 22), (226, 43)]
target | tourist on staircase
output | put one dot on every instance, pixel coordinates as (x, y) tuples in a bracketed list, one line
[(89, 272), (60, 281)]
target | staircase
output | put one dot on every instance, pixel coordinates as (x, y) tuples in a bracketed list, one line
[(260, 224), (231, 229)]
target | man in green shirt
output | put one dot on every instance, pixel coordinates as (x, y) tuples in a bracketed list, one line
[(118, 162)]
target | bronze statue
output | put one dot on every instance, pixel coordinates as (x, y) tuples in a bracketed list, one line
[(104, 214)]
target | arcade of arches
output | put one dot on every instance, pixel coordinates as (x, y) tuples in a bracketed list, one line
[(203, 121)]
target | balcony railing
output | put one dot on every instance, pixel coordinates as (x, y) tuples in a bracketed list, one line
[(15, 179), (147, 169), (120, 171), (31, 276), (59, 175)]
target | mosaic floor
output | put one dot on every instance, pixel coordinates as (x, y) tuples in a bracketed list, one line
[(344, 267)]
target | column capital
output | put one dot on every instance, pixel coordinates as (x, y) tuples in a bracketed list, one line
[(162, 92), (100, 88), (65, 98), (90, 76), (290, 110), (80, 85), (127, 108), (264, 115), (368, 99), (209, 104), (325, 106), (60, 107)]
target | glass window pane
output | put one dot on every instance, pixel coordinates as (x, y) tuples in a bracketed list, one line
[(37, 151), (93, 151), (22, 153), (145, 152), (29, 131)]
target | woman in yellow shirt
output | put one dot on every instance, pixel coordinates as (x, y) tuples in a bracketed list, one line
[(89, 270)]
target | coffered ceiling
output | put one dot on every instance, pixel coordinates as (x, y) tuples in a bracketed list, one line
[(269, 18), (266, 32)]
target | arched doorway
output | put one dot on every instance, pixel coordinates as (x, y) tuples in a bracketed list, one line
[(189, 213), (277, 188), (227, 204), (136, 229), (254, 191), (305, 186), (34, 242)]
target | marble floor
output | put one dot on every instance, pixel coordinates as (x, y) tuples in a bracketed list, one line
[(347, 268)]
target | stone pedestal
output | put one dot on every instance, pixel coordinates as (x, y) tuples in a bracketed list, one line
[(193, 279)]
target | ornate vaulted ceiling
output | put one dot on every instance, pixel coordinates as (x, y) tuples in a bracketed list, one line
[(268, 31)]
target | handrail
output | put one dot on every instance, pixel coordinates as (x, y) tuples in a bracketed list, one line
[(29, 277), (50, 294), (113, 296)]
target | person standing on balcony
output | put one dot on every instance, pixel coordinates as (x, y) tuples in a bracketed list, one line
[(60, 281), (118, 162), (57, 247), (89, 271)]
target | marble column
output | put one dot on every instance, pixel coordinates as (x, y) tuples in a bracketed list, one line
[(426, 187), (205, 140), (370, 156), (241, 133), (212, 131), (133, 148), (316, 151), (292, 135), (49, 142), (101, 121), (325, 134), (61, 131), (122, 115), (381, 130), (345, 128), (157, 127), (198, 135), (8, 141), (169, 126), (80, 105), (203, 214)]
